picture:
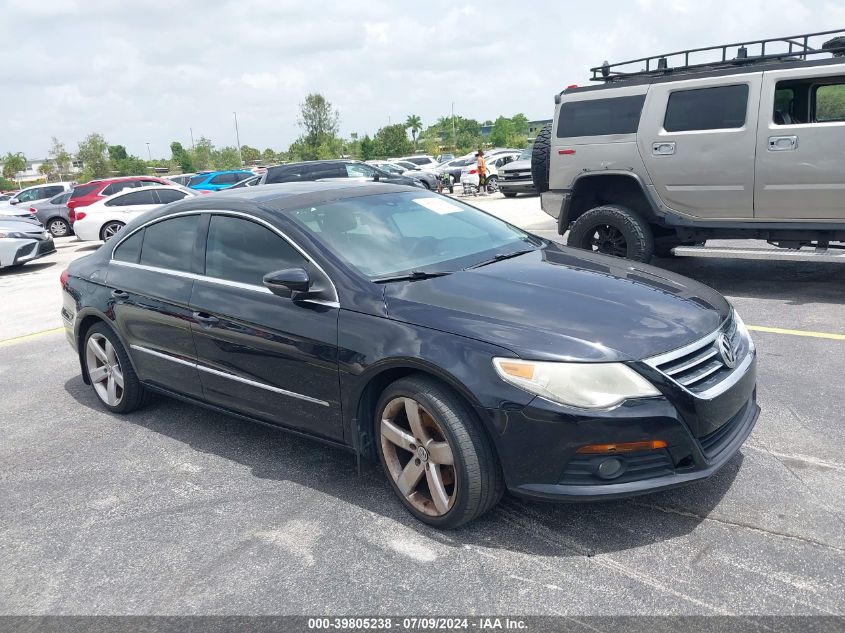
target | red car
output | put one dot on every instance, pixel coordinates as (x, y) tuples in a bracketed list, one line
[(94, 190)]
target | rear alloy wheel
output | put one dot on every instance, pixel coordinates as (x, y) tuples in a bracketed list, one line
[(58, 227), (492, 184), (437, 458), (110, 230), (110, 371), (613, 230)]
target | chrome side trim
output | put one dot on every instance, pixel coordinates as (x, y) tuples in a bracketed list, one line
[(224, 374), (239, 214), (193, 276)]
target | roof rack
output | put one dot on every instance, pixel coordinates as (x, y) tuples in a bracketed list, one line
[(794, 47)]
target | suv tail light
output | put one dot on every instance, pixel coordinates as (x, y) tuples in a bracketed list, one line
[(63, 277)]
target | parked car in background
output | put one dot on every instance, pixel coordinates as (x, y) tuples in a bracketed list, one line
[(103, 219), (443, 158), (181, 179), (340, 169), (515, 177), (469, 174), (421, 160), (427, 178), (33, 194), (5, 196), (95, 190), (455, 166), (53, 214), (23, 240), (217, 180), (252, 181)]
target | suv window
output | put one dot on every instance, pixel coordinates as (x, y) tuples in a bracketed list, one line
[(595, 117), (61, 199), (130, 249), (223, 179), (170, 243), (355, 170), (717, 108), (830, 102), (116, 187), (29, 195), (49, 192), (136, 197), (243, 251), (83, 190), (286, 173), (169, 195), (422, 160), (195, 180), (811, 100)]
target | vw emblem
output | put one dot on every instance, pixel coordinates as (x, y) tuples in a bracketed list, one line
[(727, 352)]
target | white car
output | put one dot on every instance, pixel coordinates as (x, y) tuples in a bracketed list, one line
[(469, 174), (18, 204), (104, 218), (22, 241), (420, 160)]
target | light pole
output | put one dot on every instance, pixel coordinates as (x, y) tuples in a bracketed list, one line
[(149, 155), (192, 137), (238, 139), (454, 134)]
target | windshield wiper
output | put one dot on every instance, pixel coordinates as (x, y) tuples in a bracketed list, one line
[(499, 257), (412, 276)]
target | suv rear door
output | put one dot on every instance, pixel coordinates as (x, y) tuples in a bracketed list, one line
[(801, 145), (697, 139)]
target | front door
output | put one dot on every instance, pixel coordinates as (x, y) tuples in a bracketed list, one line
[(801, 146), (151, 283), (258, 353), (697, 139)]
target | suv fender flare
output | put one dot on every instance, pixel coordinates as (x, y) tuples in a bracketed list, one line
[(650, 211)]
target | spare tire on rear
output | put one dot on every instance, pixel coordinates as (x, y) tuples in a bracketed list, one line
[(540, 159)]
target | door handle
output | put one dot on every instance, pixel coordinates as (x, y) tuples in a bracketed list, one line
[(119, 294), (205, 319), (782, 143), (663, 148)]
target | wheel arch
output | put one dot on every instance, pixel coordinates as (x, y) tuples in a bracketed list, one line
[(622, 188), (86, 319)]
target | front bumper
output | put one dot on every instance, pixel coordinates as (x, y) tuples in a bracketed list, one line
[(518, 186), (29, 249), (538, 444)]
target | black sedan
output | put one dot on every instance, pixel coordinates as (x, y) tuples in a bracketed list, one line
[(466, 355)]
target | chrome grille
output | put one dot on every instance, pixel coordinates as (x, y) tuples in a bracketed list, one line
[(700, 366)]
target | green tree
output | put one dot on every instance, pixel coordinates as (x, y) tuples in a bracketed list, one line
[(227, 158), (47, 169), (368, 150), (319, 123), (182, 157), (268, 157), (392, 141), (60, 157), (12, 164), (117, 152), (203, 154), (413, 123), (94, 154), (250, 154)]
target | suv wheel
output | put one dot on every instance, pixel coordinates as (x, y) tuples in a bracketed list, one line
[(540, 158), (492, 184), (613, 230), (58, 227), (509, 194), (437, 457)]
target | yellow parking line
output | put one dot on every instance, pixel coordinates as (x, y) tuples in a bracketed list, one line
[(779, 330), (28, 337)]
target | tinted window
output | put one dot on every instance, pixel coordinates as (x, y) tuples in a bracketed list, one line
[(61, 199), (49, 192), (136, 197), (223, 179), (83, 190), (619, 115), (170, 244), (117, 187), (418, 161), (717, 108), (325, 170), (286, 173), (830, 102), (28, 195), (169, 195), (243, 251), (130, 249), (197, 180), (355, 170)]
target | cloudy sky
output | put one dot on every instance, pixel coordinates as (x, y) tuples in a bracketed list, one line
[(150, 71)]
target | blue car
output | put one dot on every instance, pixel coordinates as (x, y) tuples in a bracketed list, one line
[(217, 180)]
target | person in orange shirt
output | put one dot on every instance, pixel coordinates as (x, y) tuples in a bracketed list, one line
[(481, 164)]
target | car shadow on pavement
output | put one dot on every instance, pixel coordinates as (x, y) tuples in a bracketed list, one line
[(795, 282), (517, 525), (32, 267)]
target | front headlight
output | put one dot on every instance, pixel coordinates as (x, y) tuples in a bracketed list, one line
[(743, 331), (14, 235), (585, 385)]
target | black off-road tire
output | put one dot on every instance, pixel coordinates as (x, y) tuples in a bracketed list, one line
[(135, 395), (479, 480), (540, 158), (637, 234)]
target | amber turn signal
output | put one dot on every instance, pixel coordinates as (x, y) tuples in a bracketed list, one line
[(626, 447)]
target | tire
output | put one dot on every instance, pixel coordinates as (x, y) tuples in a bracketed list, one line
[(426, 185), (58, 227), (540, 157), (132, 394), (110, 229), (470, 486), (509, 194), (664, 249), (613, 230), (492, 185)]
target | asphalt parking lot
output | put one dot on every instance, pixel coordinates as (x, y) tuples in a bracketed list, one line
[(177, 510)]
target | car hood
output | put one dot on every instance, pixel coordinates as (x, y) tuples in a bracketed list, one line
[(20, 225), (516, 165), (558, 303)]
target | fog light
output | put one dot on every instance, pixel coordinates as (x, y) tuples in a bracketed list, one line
[(610, 468)]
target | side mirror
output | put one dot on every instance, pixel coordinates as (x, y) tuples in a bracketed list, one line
[(376, 178), (13, 201), (290, 282)]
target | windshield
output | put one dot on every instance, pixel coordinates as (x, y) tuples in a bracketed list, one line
[(197, 179), (389, 234), (526, 154)]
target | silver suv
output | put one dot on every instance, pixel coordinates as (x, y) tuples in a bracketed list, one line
[(663, 153)]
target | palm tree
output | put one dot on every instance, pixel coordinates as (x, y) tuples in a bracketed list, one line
[(415, 124)]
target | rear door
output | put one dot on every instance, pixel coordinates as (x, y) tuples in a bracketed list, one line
[(151, 280), (697, 139), (800, 170), (259, 353)]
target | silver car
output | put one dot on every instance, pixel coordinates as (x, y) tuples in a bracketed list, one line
[(22, 241), (53, 215)]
